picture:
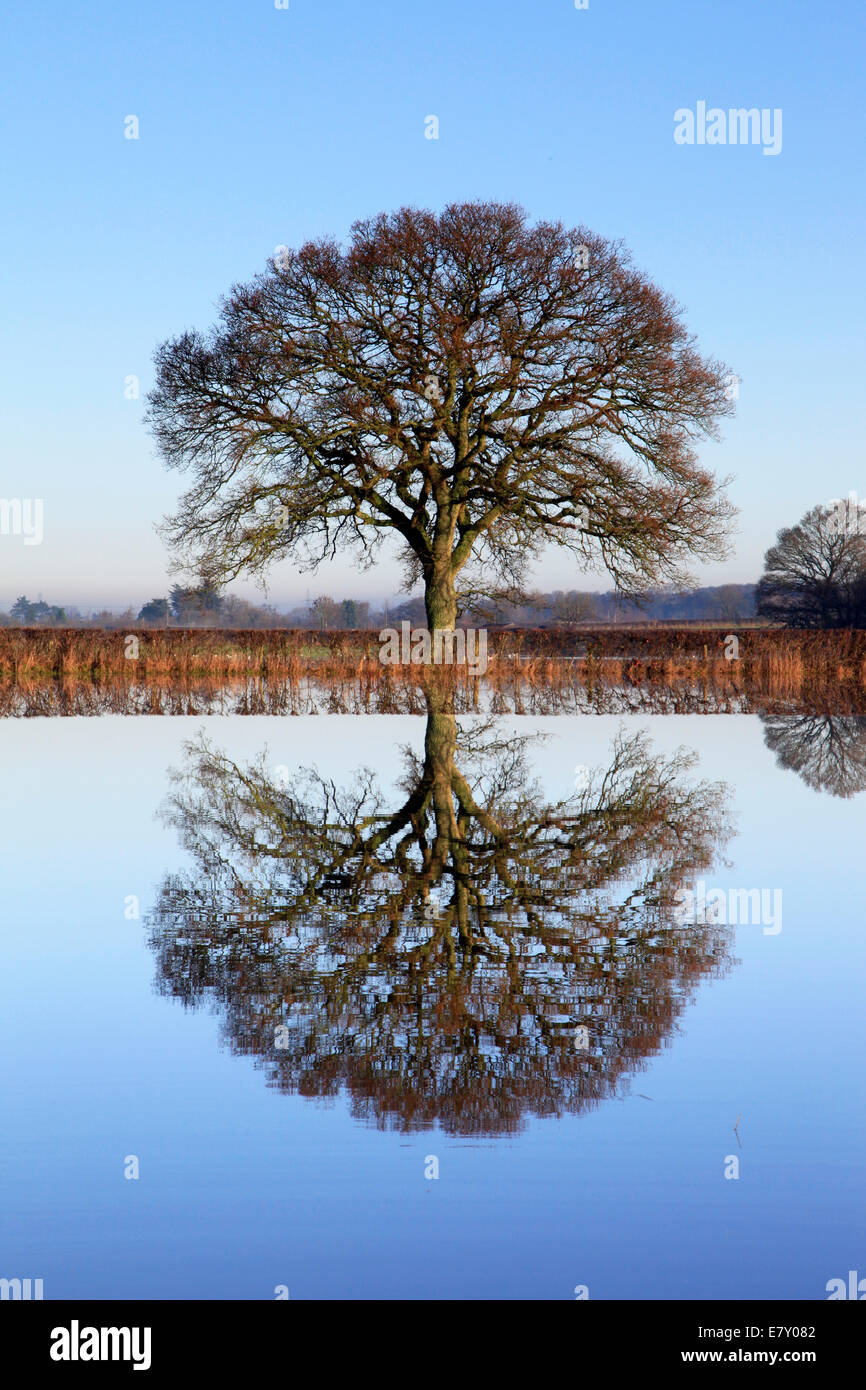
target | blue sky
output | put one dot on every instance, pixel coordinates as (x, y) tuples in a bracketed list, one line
[(261, 127)]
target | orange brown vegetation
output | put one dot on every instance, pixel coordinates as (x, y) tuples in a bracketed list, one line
[(45, 671)]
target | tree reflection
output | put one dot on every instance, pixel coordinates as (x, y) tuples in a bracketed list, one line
[(469, 956), (827, 750)]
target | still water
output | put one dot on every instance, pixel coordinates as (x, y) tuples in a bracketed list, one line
[(379, 1007)]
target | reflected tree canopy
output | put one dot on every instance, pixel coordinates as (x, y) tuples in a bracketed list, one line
[(827, 750), (465, 952)]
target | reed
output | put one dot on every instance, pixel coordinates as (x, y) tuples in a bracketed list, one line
[(529, 670)]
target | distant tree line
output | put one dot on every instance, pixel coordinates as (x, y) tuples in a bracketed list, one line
[(203, 606), (34, 614), (724, 603)]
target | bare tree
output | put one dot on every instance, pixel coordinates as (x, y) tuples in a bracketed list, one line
[(325, 612), (827, 750), (467, 952), (477, 386), (573, 607), (815, 574), (730, 602)]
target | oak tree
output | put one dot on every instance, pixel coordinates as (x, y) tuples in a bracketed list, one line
[(473, 385), (467, 952)]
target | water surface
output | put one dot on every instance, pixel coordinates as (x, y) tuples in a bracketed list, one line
[(512, 996)]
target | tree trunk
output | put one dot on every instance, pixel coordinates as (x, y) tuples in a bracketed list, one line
[(440, 599)]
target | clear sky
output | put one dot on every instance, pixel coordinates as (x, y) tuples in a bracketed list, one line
[(260, 126)]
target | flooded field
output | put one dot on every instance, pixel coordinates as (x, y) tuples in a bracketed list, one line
[(409, 1005)]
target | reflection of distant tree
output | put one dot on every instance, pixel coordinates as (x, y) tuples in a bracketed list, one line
[(828, 751), (470, 956)]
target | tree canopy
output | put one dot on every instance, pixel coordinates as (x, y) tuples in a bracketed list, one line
[(466, 951), (473, 385), (815, 574), (827, 750)]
